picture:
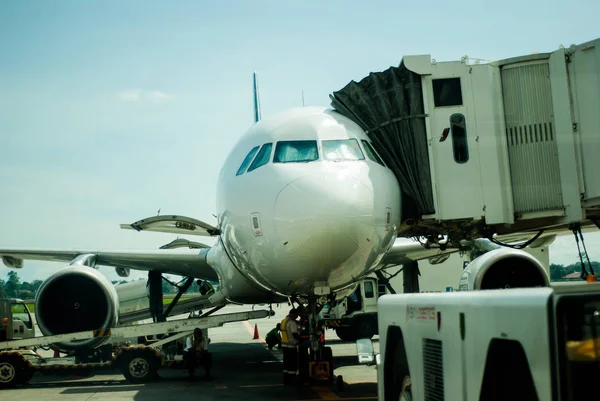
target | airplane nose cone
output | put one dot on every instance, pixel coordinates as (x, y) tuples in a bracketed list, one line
[(322, 219)]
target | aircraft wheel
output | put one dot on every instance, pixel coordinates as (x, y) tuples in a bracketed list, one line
[(140, 366), (345, 333), (11, 368), (339, 383), (25, 375), (327, 354), (365, 328)]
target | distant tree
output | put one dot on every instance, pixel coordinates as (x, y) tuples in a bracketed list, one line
[(13, 284), (25, 294), (194, 288), (2, 288), (557, 272), (35, 284), (168, 288)]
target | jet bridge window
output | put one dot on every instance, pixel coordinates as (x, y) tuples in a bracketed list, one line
[(369, 289), (460, 146), (342, 149), (262, 158), (447, 92), (296, 152), (247, 160), (371, 153)]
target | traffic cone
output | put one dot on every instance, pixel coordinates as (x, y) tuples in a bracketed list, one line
[(255, 332)]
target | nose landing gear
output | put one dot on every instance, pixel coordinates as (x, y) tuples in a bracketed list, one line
[(318, 368)]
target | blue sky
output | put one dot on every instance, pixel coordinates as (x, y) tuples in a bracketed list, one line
[(112, 110)]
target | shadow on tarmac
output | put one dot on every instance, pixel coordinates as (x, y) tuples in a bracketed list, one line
[(242, 371)]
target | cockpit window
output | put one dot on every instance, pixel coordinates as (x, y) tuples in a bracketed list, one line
[(247, 160), (262, 158), (371, 152), (342, 149), (295, 152)]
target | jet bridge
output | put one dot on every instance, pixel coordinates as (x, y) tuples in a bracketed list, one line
[(478, 149)]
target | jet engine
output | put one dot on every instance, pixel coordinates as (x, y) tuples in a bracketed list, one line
[(76, 299), (503, 268)]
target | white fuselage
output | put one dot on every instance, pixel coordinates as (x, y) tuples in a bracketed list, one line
[(291, 223)]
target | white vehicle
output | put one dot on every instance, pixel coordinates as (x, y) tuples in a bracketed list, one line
[(15, 320), (519, 344), (356, 315), (139, 362)]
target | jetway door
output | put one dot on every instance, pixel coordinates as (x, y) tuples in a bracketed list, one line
[(584, 77), (531, 137)]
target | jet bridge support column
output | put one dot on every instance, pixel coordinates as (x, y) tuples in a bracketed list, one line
[(410, 277)]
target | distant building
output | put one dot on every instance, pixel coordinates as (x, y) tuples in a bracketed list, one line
[(573, 276)]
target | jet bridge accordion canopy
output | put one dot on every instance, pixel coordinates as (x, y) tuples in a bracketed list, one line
[(388, 105)]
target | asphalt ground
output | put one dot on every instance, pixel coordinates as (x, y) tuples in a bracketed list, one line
[(243, 369)]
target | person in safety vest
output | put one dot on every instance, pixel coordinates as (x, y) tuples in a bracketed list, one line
[(303, 327), (196, 351), (289, 342), (303, 332)]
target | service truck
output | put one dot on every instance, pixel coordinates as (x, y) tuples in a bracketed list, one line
[(15, 320), (355, 316), (520, 344), (137, 351)]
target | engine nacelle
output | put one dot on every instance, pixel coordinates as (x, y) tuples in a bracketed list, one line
[(76, 299), (503, 268)]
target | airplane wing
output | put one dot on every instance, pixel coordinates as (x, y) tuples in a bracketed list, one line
[(405, 251), (184, 262)]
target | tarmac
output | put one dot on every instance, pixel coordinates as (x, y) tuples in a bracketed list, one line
[(243, 369)]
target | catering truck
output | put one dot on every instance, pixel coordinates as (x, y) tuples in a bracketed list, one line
[(520, 344)]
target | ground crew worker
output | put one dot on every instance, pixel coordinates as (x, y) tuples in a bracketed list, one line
[(303, 331), (206, 288), (289, 342), (196, 351), (273, 337)]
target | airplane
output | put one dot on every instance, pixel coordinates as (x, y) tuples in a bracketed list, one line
[(306, 207)]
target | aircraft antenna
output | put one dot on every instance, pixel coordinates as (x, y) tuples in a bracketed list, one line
[(303, 98), (256, 100)]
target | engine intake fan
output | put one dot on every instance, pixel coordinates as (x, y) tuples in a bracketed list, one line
[(503, 268), (76, 299)]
